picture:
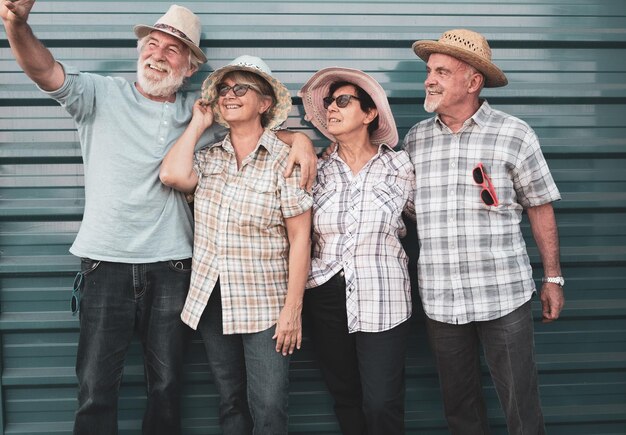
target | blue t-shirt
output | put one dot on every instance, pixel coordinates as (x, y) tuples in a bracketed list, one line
[(130, 216)]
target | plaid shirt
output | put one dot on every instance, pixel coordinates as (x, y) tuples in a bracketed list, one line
[(240, 234), (357, 226), (473, 264)]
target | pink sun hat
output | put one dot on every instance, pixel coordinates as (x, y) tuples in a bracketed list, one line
[(318, 86)]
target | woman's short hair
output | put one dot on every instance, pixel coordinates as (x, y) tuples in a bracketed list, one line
[(250, 78), (365, 101)]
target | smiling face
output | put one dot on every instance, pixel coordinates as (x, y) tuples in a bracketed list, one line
[(163, 65), (450, 85), (349, 120), (246, 108)]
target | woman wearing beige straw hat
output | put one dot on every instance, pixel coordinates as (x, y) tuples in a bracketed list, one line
[(358, 293), (251, 244)]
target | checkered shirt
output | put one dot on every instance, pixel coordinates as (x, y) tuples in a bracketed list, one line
[(357, 226), (473, 264), (240, 234)]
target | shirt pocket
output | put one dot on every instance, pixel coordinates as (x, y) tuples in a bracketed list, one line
[(259, 205), (212, 169), (325, 197), (388, 198)]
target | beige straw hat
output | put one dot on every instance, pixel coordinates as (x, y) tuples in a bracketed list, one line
[(277, 114), (467, 46), (181, 23)]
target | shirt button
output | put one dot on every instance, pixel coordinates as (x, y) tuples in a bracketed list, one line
[(451, 219), (161, 139), (451, 192), (453, 165), (164, 122)]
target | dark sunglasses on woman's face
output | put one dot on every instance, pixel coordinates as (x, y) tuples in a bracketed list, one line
[(342, 101), (238, 90)]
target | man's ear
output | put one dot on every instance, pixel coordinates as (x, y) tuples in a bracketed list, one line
[(191, 71), (476, 83)]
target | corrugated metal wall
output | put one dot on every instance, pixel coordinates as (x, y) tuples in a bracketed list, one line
[(566, 63)]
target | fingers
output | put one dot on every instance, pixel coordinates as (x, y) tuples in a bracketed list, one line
[(287, 341), (552, 302), (305, 181), (291, 162)]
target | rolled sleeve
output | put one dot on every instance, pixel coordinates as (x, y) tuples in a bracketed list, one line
[(294, 200), (77, 94), (533, 181)]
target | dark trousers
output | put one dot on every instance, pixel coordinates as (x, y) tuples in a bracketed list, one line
[(508, 345), (364, 371), (251, 377), (116, 300)]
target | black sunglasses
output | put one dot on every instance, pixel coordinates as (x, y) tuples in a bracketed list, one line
[(238, 90), (76, 288), (342, 100)]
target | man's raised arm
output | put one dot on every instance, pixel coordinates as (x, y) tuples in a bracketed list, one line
[(31, 55)]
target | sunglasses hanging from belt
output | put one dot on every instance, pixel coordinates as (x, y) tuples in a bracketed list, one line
[(488, 193)]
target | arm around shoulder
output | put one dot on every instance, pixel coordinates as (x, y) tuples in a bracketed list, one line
[(302, 153)]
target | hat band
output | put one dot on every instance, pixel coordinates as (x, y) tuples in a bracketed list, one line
[(173, 30)]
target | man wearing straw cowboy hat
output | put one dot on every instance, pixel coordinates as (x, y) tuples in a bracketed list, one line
[(477, 169), (136, 235)]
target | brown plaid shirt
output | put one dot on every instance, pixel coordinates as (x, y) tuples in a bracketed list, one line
[(240, 234)]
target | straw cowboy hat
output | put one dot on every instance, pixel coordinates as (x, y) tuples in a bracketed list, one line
[(318, 86), (181, 23), (467, 46), (277, 114)]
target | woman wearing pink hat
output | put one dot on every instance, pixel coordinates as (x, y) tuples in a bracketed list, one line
[(251, 244), (358, 292)]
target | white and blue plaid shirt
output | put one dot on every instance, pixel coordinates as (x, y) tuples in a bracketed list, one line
[(357, 226), (473, 264)]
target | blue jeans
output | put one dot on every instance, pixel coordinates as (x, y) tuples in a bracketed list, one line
[(364, 371), (118, 299), (251, 377), (508, 345)]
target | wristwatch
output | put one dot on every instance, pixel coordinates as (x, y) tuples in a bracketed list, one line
[(554, 280)]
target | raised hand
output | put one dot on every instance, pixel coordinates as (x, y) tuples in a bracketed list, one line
[(15, 11)]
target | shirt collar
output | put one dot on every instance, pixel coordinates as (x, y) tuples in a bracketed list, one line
[(265, 141), (382, 148), (479, 118)]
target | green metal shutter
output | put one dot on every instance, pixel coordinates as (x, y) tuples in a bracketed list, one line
[(566, 63)]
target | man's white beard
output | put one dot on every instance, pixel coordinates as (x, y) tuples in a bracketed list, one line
[(431, 106), (159, 87)]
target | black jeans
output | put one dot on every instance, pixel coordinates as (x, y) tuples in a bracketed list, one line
[(116, 300), (508, 344), (364, 371)]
